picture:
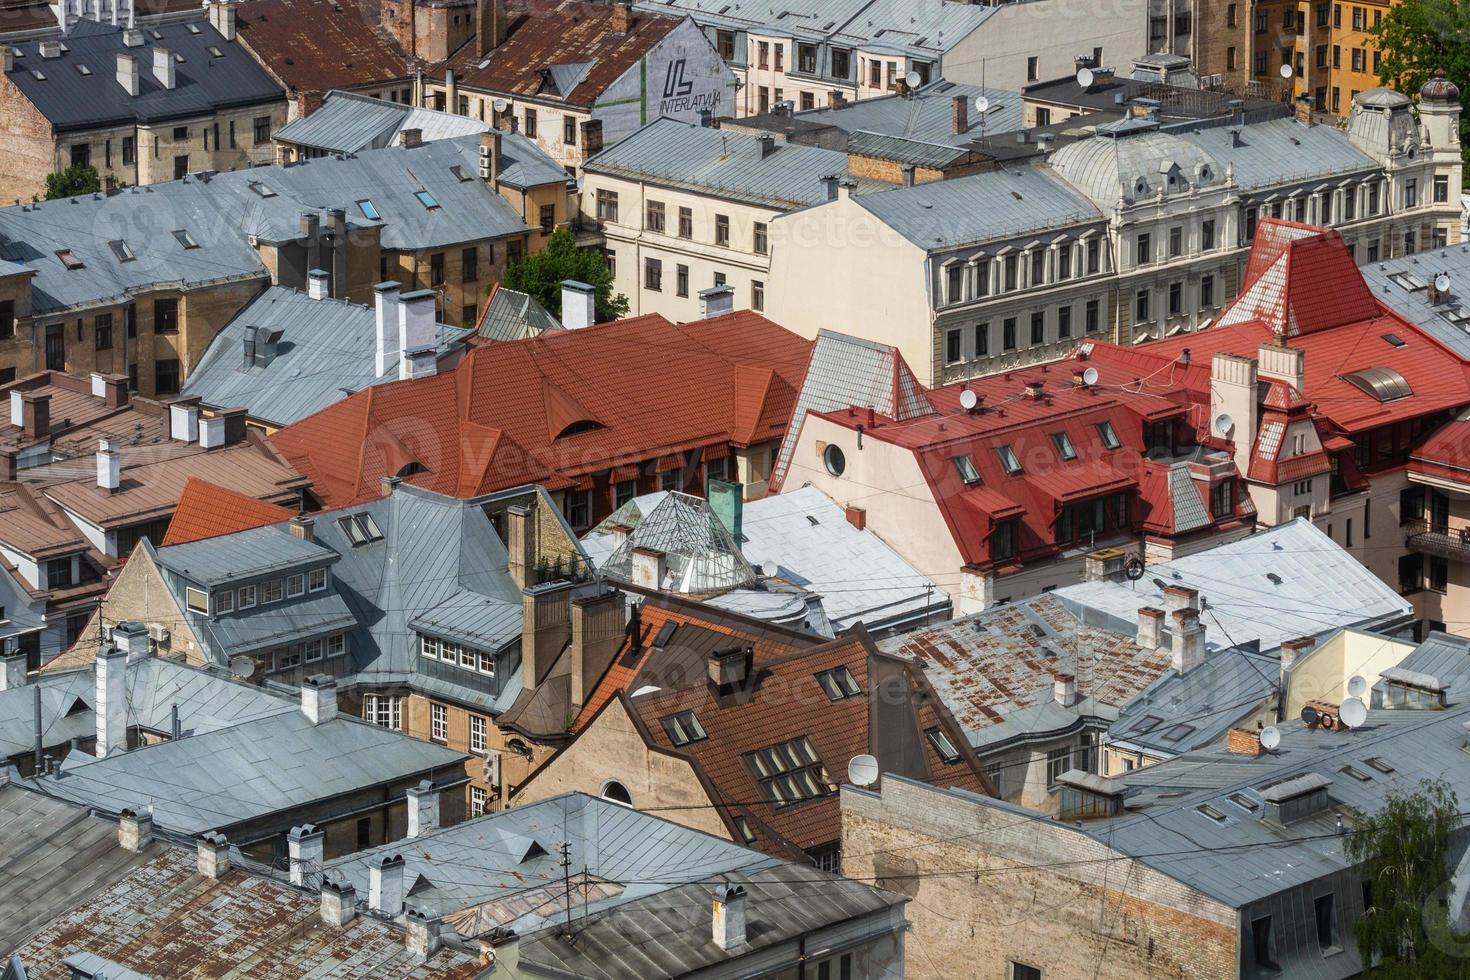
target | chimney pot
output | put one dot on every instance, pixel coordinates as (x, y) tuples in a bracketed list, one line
[(110, 705), (212, 855), (305, 846), (316, 284), (729, 916), (109, 465), (385, 310), (319, 698), (339, 903), (959, 115), (385, 885), (1150, 628), (423, 809), (578, 304)]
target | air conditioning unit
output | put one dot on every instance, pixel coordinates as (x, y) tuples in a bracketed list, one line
[(484, 151), (158, 633), (492, 770), (484, 168)]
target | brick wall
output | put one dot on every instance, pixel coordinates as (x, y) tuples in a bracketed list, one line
[(27, 150)]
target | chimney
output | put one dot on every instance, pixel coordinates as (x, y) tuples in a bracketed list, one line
[(305, 846), (1064, 689), (8, 466), (316, 284), (1150, 628), (9, 58), (907, 170), (163, 66), (416, 340), (1178, 597), (1281, 363), (451, 91), (234, 425), (319, 698), (50, 49), (267, 345), (1233, 382), (716, 301), (545, 627), (132, 639), (412, 136), (385, 885), (730, 667), (212, 858), (767, 144), (250, 340), (578, 304), (302, 528), (650, 568), (183, 420), (109, 465), (1243, 741), (622, 16), (490, 154), (35, 419), (385, 309), (221, 17), (857, 517), (829, 184), (706, 119), (1035, 390), (212, 432), (959, 115), (12, 671), (423, 809), (134, 830), (387, 483), (597, 633), (1304, 109), (423, 934), (110, 705), (1290, 651), (128, 71), (520, 543), (490, 24), (132, 37), (339, 903), (1188, 635), (729, 916)]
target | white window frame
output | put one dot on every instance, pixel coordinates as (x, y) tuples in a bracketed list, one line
[(295, 585), (311, 651), (438, 722), (479, 801), (478, 730), (201, 605), (224, 601), (429, 646), (269, 588), (336, 645), (247, 592), (316, 580)]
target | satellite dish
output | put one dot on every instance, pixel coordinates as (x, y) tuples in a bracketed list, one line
[(1224, 424), (968, 400), (1285, 71), (1089, 377), (862, 770), (500, 105), (1357, 686), (912, 79), (1270, 738), (1353, 712), (770, 569), (1311, 715), (1085, 78), (982, 104), (1442, 282), (242, 666)]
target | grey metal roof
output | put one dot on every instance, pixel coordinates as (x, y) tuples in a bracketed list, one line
[(243, 556), (1132, 164), (524, 164), (514, 315), (723, 164), (925, 116), (1190, 513), (482, 621), (1280, 152), (922, 28), (477, 873), (203, 84), (21, 613), (326, 352), (980, 208), (1403, 284), (346, 123), (1182, 712), (272, 626), (1443, 657), (248, 771)]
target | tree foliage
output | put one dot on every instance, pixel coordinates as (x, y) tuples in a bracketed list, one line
[(1402, 851), (1417, 37), (76, 179), (541, 273)]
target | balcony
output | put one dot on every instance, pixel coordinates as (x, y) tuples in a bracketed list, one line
[(1439, 539)]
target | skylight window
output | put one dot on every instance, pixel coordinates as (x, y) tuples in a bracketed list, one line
[(1377, 763), (1211, 812), (1148, 724), (1395, 340), (838, 684), (368, 210), (942, 744), (1384, 384), (426, 199), (966, 467), (683, 728), (1178, 733), (83, 70), (1107, 435), (790, 772), (1008, 459), (215, 52), (69, 259), (1064, 445), (193, 28), (38, 75), (360, 529), (1356, 773), (179, 59), (459, 173), (185, 239), (1244, 802), (665, 634), (122, 250), (261, 189)]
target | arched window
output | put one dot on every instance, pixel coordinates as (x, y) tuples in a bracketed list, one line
[(615, 792)]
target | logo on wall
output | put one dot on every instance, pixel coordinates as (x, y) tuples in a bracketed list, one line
[(674, 81), (679, 98)]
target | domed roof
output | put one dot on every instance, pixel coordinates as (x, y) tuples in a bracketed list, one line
[(1382, 98), (1136, 167), (1440, 90)]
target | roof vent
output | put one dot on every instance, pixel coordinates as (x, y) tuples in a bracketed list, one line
[(1403, 688), (1296, 798)]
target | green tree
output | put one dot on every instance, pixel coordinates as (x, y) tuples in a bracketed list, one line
[(1417, 37), (541, 273), (1402, 851), (76, 179)]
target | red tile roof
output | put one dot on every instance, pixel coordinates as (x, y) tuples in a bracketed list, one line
[(206, 511), (1445, 454), (1300, 279), (557, 408), (315, 45)]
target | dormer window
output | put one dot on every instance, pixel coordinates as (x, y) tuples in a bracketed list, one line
[(224, 601), (360, 529), (1107, 435), (1008, 459), (838, 684), (197, 600), (316, 580), (966, 468), (683, 728)]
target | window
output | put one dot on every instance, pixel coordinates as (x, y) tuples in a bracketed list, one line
[(261, 129), (1021, 971), (270, 592), (607, 205), (166, 376), (1107, 435), (1092, 317), (624, 491), (757, 295), (1260, 62), (166, 316), (1011, 266), (438, 722), (128, 151), (121, 250), (380, 709), (758, 238), (779, 50), (952, 351), (436, 269), (336, 645), (360, 529), (1064, 445), (1008, 333), (790, 772), (722, 230), (1033, 68), (1038, 328), (942, 744), (681, 280), (1207, 291), (1140, 306), (686, 222), (196, 599), (477, 734), (1411, 192), (478, 801), (578, 508), (247, 597), (530, 126), (683, 728), (1176, 241), (546, 219), (311, 651), (1093, 250), (102, 330), (806, 59), (725, 44), (1360, 58), (1058, 761), (316, 579), (653, 274), (1064, 262), (1176, 298), (569, 130), (1439, 575), (841, 63), (1143, 249), (295, 586), (653, 216), (763, 50), (982, 339), (838, 684), (965, 466), (1008, 459), (7, 319), (224, 601), (1441, 188), (1261, 943)]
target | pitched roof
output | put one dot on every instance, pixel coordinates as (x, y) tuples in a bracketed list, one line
[(1300, 279), (1403, 283), (702, 557), (514, 315), (567, 52), (313, 45), (205, 510), (549, 409)]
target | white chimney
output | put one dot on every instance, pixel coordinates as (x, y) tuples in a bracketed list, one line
[(111, 701), (416, 334), (212, 857), (305, 848), (134, 830), (423, 809), (1064, 689), (1281, 363), (578, 304), (385, 885), (319, 698), (109, 465), (339, 903), (1233, 403), (12, 671), (1187, 650), (716, 301), (1150, 628), (316, 284), (163, 66), (650, 567), (385, 307), (183, 421), (1178, 597), (729, 916), (212, 432), (222, 18), (17, 409), (132, 639), (1290, 651)]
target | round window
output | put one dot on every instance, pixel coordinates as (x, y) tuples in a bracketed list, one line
[(616, 792), (835, 461)]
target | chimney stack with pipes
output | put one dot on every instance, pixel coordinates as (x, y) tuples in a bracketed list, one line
[(716, 301), (418, 356), (109, 465), (110, 702), (305, 848), (1150, 628), (339, 903), (385, 309), (319, 698), (729, 916), (385, 885)]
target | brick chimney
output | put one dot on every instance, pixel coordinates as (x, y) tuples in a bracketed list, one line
[(134, 830), (491, 149), (1187, 649), (489, 24), (222, 17), (1178, 597), (1150, 628), (622, 16), (212, 857), (1304, 109), (1064, 689), (302, 528), (423, 934), (339, 903), (959, 115), (856, 516), (35, 418), (1243, 741), (1281, 363), (520, 543), (1233, 382), (598, 622), (305, 847), (132, 639), (423, 809), (545, 628), (412, 136), (111, 388)]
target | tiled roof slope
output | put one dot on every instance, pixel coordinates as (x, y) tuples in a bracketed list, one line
[(555, 408), (313, 45), (205, 510), (1300, 279)]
